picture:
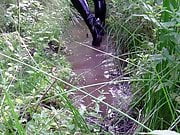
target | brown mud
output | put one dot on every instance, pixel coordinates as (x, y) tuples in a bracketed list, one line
[(94, 66)]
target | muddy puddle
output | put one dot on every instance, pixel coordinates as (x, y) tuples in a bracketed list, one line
[(95, 68)]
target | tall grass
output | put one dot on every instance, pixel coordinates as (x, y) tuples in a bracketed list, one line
[(148, 33), (32, 102), (35, 102)]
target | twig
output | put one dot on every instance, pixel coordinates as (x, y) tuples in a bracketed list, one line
[(43, 95)]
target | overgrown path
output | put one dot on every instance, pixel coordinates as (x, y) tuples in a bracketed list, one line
[(97, 69)]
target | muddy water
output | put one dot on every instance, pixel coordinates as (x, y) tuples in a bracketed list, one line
[(92, 67)]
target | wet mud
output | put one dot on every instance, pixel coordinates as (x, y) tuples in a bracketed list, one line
[(96, 68)]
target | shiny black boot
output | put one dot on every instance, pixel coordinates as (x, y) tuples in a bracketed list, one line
[(93, 24), (100, 11)]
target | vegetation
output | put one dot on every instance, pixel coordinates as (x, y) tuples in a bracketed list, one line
[(147, 36), (32, 100), (33, 79)]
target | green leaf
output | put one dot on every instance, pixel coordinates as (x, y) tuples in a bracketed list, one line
[(166, 55), (161, 132)]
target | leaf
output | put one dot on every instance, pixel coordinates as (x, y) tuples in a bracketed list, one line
[(19, 101), (175, 37), (30, 72), (168, 24), (161, 132), (166, 55), (9, 44), (149, 18)]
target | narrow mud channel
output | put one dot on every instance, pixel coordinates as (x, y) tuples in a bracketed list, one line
[(97, 70)]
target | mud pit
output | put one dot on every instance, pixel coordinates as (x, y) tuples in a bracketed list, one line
[(95, 66), (97, 72)]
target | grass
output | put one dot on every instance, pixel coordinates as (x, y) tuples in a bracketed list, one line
[(32, 81), (150, 30), (27, 106)]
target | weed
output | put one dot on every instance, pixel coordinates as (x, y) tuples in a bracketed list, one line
[(32, 102), (148, 32)]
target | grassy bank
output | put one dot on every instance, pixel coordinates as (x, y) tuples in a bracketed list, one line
[(147, 34), (33, 101)]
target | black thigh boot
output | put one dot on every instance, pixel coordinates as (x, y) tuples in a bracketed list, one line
[(94, 26), (100, 10)]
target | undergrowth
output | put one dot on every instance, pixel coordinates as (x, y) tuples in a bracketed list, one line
[(33, 99), (147, 34), (33, 102)]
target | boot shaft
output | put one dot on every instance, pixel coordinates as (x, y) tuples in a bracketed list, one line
[(100, 10), (94, 24)]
